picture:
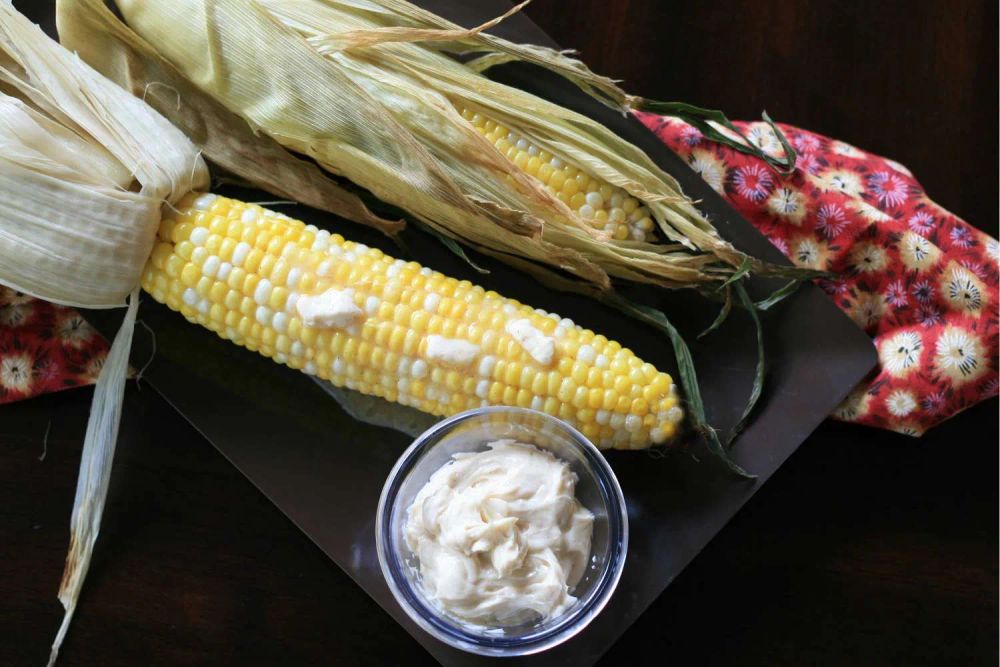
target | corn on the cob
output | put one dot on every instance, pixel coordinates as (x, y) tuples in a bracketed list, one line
[(603, 205), (396, 330)]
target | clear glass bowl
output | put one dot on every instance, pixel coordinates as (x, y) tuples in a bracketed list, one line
[(597, 489)]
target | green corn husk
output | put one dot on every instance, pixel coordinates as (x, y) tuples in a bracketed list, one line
[(370, 91)]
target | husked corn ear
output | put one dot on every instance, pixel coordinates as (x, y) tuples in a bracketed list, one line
[(601, 204), (363, 320)]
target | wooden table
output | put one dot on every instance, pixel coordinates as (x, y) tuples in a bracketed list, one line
[(865, 548)]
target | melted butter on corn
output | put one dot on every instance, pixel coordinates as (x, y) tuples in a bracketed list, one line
[(413, 335), (601, 204)]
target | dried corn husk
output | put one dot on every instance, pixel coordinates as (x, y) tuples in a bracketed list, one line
[(71, 135), (229, 141), (336, 81), (84, 171)]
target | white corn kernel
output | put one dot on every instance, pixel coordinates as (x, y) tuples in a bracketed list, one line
[(199, 235), (204, 202), (264, 315), (240, 253), (675, 415), (322, 241), (262, 294), (486, 365), (431, 302), (211, 266)]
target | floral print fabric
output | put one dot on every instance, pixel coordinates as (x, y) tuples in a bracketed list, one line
[(920, 281), (44, 347)]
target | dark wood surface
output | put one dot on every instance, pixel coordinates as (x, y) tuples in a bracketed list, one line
[(865, 548), (915, 80)]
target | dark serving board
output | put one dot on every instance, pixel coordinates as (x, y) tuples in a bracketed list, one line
[(325, 470)]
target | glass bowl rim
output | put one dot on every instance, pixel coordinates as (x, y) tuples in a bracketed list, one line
[(452, 632)]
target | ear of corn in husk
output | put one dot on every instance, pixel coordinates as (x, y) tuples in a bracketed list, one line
[(388, 117)]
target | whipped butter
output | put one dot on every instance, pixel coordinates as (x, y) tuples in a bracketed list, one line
[(499, 535), (332, 309)]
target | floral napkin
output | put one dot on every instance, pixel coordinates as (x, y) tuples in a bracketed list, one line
[(919, 280)]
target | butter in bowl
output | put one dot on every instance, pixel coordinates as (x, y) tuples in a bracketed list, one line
[(502, 531)]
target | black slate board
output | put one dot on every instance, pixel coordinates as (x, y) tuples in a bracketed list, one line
[(325, 470)]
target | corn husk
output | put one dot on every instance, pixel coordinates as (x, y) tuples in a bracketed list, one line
[(68, 134), (230, 142), (331, 80), (85, 168)]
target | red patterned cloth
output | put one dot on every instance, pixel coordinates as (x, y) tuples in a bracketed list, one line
[(44, 347), (922, 282)]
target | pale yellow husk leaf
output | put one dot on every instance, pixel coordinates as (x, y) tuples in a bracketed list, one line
[(85, 169), (70, 135)]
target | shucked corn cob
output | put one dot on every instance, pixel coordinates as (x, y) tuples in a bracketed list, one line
[(601, 204), (401, 332)]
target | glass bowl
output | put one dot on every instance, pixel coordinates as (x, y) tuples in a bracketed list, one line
[(597, 489)]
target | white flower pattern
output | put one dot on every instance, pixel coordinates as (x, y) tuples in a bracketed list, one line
[(709, 167), (900, 403), (958, 355), (15, 373), (962, 290), (788, 203), (900, 354), (868, 258)]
